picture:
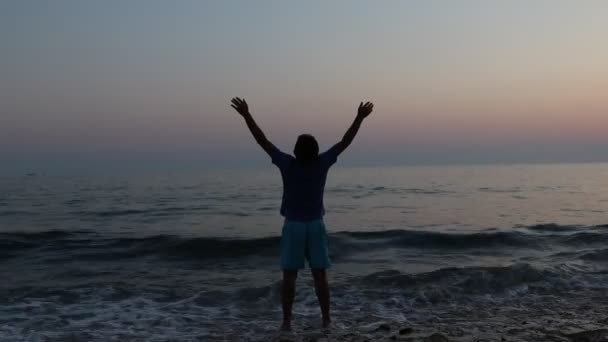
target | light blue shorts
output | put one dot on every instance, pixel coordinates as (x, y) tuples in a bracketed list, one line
[(304, 240)]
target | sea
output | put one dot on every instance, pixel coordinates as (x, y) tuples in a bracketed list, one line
[(193, 255)]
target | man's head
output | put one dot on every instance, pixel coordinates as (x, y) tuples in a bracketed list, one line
[(306, 149)]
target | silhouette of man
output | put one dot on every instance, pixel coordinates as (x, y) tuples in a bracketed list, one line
[(303, 236)]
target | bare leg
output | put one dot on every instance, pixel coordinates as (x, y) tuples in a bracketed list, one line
[(322, 290), (288, 292)]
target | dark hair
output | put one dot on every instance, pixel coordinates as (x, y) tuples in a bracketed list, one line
[(306, 149)]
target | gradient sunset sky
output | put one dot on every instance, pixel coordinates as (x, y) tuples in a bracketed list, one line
[(453, 81)]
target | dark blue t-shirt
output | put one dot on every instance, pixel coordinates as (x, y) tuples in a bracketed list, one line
[(303, 184)]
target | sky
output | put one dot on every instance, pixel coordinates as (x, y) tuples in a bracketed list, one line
[(117, 82)]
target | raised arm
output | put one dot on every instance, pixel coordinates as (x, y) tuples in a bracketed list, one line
[(363, 112), (240, 105)]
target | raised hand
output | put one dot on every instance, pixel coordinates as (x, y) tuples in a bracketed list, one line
[(240, 106), (365, 109)]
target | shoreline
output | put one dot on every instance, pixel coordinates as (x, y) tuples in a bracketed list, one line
[(442, 332)]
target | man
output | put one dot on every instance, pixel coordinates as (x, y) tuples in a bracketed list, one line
[(304, 235)]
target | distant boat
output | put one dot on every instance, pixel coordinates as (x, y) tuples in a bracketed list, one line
[(31, 174)]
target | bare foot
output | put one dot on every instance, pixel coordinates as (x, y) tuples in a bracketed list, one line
[(326, 323), (286, 326)]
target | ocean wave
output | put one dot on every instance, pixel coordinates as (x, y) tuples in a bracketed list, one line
[(374, 190), (552, 227), (149, 211), (584, 238), (500, 190), (170, 246), (425, 239), (41, 235), (597, 255), (465, 280), (447, 283), (17, 213), (90, 245)]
